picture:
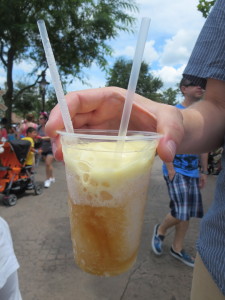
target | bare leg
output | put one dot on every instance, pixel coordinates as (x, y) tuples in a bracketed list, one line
[(48, 166), (180, 232), (167, 223)]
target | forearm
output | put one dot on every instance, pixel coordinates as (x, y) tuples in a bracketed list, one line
[(204, 163), (46, 138), (170, 167)]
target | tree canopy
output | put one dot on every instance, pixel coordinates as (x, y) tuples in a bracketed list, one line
[(204, 7), (78, 31), (147, 85)]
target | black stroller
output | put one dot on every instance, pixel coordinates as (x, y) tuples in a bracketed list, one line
[(15, 177)]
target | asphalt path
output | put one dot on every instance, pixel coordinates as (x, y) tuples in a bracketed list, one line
[(41, 235)]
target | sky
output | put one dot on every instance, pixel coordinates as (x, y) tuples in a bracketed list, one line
[(174, 28)]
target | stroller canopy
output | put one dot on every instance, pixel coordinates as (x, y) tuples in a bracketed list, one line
[(21, 149)]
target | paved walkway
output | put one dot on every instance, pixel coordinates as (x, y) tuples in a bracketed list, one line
[(41, 234)]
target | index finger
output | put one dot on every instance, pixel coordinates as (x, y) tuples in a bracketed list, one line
[(88, 108)]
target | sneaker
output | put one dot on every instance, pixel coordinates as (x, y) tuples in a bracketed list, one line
[(183, 256), (47, 183), (157, 241), (52, 179)]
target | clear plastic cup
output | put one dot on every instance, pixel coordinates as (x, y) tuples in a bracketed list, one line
[(107, 196)]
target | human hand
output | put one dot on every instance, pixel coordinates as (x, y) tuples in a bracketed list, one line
[(102, 109), (171, 174)]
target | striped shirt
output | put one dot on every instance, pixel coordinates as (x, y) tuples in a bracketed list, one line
[(208, 61)]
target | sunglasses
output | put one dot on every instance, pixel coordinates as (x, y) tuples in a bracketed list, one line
[(190, 84)]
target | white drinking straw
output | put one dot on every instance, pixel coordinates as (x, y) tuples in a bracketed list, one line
[(55, 76), (142, 36)]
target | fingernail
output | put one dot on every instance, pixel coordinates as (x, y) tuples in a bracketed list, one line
[(172, 147)]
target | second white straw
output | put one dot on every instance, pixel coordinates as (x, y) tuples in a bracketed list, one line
[(55, 76), (142, 36)]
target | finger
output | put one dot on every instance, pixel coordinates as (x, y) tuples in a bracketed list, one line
[(170, 125), (98, 108), (166, 120), (92, 106)]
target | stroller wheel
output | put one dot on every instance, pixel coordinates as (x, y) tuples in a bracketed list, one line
[(38, 190), (10, 200)]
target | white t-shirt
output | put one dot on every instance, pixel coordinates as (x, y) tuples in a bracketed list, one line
[(8, 261)]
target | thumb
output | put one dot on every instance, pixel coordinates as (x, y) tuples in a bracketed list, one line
[(166, 149)]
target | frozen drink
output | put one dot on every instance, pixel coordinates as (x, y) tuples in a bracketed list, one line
[(107, 196)]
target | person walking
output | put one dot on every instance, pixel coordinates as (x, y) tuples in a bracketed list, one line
[(184, 183), (46, 148)]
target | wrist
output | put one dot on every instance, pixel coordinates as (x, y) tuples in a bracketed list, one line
[(204, 172)]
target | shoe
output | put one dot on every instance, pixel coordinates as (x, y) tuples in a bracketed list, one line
[(47, 183), (157, 241), (52, 179), (216, 173), (183, 256)]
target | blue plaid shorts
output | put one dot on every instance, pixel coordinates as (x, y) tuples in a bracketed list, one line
[(185, 197)]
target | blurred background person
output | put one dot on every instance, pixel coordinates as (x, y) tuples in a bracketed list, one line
[(28, 122), (3, 130), (46, 148), (12, 134)]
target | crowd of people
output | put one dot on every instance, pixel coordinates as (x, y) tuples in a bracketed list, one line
[(34, 132), (40, 145)]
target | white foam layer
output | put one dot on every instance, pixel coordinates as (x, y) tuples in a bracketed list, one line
[(98, 177)]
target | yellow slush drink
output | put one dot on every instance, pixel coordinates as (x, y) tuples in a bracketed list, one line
[(107, 195)]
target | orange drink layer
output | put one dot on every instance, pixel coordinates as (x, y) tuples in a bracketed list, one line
[(107, 196)]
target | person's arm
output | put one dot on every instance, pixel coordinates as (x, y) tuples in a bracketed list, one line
[(37, 151), (203, 169), (196, 129), (171, 170), (204, 163), (45, 138)]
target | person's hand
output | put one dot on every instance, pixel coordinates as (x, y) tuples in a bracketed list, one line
[(102, 109), (171, 174), (39, 151)]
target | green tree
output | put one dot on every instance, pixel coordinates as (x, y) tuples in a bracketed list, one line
[(27, 102), (51, 100), (169, 96), (30, 101), (204, 6), (78, 31), (147, 85)]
